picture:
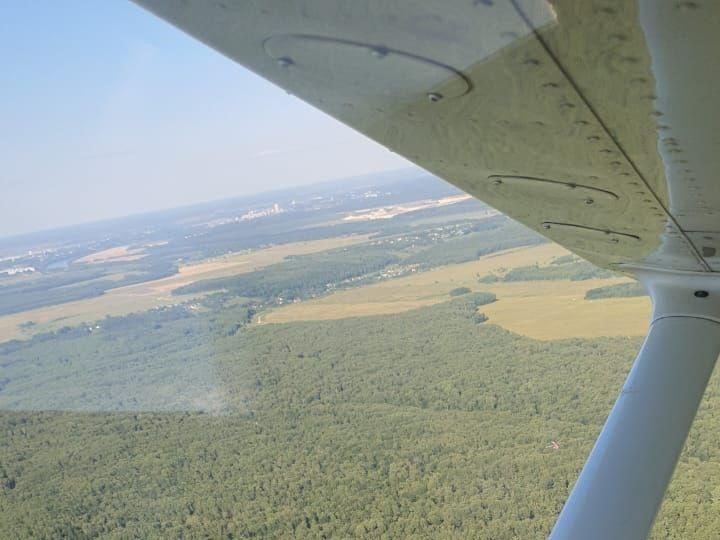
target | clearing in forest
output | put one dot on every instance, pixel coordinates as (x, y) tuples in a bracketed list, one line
[(549, 309)]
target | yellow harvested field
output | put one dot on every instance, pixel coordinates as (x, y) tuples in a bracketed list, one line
[(557, 310), (144, 296), (538, 309), (116, 254), (240, 263), (422, 289)]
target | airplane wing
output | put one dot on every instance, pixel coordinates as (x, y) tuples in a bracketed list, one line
[(592, 122)]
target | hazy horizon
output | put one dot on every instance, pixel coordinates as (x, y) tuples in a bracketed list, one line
[(192, 204), (109, 111)]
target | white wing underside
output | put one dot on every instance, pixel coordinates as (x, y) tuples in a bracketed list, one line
[(592, 123)]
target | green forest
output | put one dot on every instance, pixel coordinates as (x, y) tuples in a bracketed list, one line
[(188, 422), (566, 267), (619, 290), (385, 256), (196, 421)]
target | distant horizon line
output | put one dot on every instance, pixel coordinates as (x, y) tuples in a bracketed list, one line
[(26, 234)]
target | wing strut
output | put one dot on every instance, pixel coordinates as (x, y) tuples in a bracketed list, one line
[(623, 482)]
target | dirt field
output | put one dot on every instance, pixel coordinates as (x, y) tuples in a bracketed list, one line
[(540, 309), (389, 212), (143, 296)]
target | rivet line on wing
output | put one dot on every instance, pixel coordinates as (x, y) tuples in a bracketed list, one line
[(608, 132)]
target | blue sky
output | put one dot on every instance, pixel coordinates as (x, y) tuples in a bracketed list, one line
[(106, 110)]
